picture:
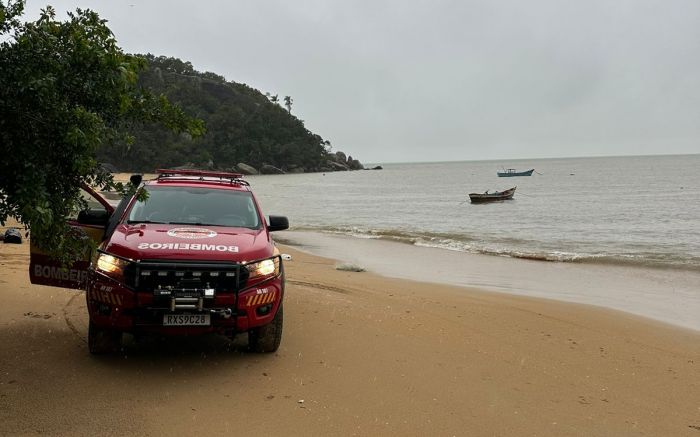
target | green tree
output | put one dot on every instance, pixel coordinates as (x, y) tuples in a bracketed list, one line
[(243, 125), (67, 90), (288, 103)]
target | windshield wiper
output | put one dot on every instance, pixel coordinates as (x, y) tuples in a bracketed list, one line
[(211, 224), (192, 223), (133, 222)]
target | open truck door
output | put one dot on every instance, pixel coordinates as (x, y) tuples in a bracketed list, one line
[(88, 224)]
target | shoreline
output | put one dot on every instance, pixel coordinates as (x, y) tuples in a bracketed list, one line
[(669, 296), (361, 354), (447, 242)]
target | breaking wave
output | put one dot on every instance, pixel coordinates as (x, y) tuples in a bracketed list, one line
[(516, 248)]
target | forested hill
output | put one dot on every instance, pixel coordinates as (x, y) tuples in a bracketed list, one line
[(242, 126)]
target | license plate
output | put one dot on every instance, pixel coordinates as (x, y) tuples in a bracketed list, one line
[(186, 320)]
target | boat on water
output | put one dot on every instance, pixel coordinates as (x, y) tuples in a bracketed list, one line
[(509, 172), (492, 197)]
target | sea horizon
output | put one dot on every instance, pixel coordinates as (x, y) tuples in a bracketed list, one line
[(615, 232), (631, 210), (375, 163)]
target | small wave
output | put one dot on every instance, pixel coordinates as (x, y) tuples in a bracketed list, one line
[(672, 263), (513, 248)]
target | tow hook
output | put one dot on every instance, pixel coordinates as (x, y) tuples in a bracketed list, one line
[(225, 313)]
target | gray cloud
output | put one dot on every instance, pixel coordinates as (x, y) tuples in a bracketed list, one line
[(449, 80)]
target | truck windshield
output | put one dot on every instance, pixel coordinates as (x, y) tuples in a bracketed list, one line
[(196, 206)]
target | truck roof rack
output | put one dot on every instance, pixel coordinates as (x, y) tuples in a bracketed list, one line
[(202, 175)]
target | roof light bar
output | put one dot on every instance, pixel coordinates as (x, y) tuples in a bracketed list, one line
[(205, 173)]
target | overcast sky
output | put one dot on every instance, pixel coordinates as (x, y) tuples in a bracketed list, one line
[(447, 80)]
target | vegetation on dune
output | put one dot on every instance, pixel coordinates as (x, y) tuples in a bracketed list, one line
[(67, 91)]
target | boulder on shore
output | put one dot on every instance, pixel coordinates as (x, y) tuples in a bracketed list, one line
[(354, 164), (270, 169), (336, 166), (340, 157), (295, 169), (246, 169)]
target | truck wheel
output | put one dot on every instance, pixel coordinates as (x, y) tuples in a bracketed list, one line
[(267, 338), (103, 341)]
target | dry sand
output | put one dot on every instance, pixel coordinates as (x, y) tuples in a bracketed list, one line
[(361, 355)]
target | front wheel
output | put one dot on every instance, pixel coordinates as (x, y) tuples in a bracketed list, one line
[(267, 338), (103, 341)]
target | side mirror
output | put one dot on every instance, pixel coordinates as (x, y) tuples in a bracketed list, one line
[(278, 223), (98, 217), (136, 179)]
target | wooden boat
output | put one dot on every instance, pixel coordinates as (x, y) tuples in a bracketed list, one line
[(509, 172), (492, 197)]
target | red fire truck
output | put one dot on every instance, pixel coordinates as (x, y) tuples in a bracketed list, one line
[(191, 255)]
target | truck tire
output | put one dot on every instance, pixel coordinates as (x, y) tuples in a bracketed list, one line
[(103, 341), (267, 338)]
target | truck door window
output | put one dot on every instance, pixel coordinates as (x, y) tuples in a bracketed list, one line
[(92, 204)]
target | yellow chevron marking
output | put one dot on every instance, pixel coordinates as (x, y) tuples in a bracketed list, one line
[(260, 299)]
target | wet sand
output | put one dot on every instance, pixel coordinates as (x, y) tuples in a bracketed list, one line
[(667, 295), (361, 355)]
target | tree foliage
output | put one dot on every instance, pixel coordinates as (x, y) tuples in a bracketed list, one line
[(67, 90), (243, 125)]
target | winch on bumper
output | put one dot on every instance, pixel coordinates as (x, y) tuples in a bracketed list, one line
[(176, 297)]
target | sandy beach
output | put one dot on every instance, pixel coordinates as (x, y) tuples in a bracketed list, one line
[(361, 355)]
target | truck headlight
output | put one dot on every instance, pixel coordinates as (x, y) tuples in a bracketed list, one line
[(111, 266), (262, 270)]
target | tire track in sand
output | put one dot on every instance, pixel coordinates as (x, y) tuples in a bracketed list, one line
[(319, 286), (74, 329)]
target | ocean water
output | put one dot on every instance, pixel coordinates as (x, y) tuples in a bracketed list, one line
[(632, 211)]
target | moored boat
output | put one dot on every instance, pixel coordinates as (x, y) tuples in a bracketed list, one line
[(492, 197), (509, 172)]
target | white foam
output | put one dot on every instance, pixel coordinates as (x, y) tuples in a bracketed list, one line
[(667, 295)]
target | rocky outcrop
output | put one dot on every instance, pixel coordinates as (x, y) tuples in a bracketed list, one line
[(354, 164), (340, 157), (336, 166), (246, 169), (294, 169), (337, 161), (269, 169)]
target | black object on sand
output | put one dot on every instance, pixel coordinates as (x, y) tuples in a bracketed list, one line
[(12, 235)]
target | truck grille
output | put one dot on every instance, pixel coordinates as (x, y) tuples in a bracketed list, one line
[(183, 277)]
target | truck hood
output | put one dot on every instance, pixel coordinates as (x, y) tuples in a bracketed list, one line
[(189, 243)]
